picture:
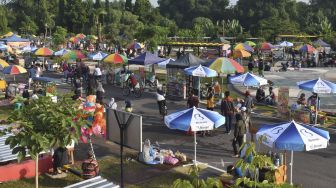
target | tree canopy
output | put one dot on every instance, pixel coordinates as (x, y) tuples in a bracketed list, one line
[(123, 19)]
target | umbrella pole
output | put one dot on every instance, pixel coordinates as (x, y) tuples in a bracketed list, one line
[(199, 88), (195, 143), (291, 168)]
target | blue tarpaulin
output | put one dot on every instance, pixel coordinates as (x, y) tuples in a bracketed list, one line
[(145, 59), (14, 38)]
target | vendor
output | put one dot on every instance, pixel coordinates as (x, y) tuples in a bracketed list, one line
[(260, 95), (314, 102), (302, 100)]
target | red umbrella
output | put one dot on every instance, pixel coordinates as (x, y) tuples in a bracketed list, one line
[(266, 46)]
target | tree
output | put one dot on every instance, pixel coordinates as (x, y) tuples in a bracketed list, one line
[(129, 5), (142, 8), (205, 25), (44, 124), (59, 36), (61, 13), (3, 21), (108, 12), (27, 26)]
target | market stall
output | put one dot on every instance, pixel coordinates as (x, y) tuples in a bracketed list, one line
[(178, 85)]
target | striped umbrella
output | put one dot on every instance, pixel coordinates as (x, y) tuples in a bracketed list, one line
[(115, 59), (14, 70), (307, 48), (44, 52), (80, 35), (242, 46), (241, 53), (225, 65), (266, 46), (74, 54), (3, 64)]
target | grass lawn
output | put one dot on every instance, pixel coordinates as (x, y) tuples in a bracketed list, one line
[(135, 174)]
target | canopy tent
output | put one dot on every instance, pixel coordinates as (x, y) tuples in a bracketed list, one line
[(185, 61), (97, 56), (15, 41), (146, 58), (321, 43)]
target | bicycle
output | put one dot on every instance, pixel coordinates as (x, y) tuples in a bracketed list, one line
[(136, 91)]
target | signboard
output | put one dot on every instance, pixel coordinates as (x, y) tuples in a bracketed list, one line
[(132, 133), (283, 98)]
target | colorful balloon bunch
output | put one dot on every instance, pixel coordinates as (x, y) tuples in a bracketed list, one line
[(95, 114)]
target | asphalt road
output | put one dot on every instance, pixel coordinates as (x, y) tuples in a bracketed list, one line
[(311, 169)]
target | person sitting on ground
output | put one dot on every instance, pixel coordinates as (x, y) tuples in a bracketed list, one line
[(270, 99), (34, 96), (302, 100), (148, 153), (239, 134), (260, 95), (26, 94), (112, 104), (90, 167)]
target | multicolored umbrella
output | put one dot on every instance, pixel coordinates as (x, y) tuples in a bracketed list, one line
[(266, 46), (44, 52), (223, 65), (14, 70), (242, 46), (74, 54), (136, 45), (80, 35), (241, 53), (307, 48), (115, 59), (250, 43), (3, 64), (74, 39)]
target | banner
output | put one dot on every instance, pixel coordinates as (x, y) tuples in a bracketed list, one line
[(283, 100)]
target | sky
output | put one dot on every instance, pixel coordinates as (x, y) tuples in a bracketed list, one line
[(232, 2)]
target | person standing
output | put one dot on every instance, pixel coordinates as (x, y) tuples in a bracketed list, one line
[(227, 110), (97, 74), (249, 105), (100, 93), (261, 68), (210, 99), (193, 100), (250, 66), (239, 134)]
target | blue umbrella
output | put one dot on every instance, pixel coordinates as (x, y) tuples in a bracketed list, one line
[(248, 80), (61, 52), (28, 48), (194, 119), (200, 71), (97, 56), (317, 86), (293, 136)]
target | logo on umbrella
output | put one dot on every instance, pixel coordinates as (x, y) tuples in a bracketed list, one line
[(198, 117), (276, 130), (305, 132)]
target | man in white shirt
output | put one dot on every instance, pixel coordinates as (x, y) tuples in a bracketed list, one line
[(97, 73)]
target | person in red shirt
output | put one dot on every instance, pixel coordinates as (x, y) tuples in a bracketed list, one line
[(132, 80)]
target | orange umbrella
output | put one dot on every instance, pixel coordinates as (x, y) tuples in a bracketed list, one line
[(241, 53)]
